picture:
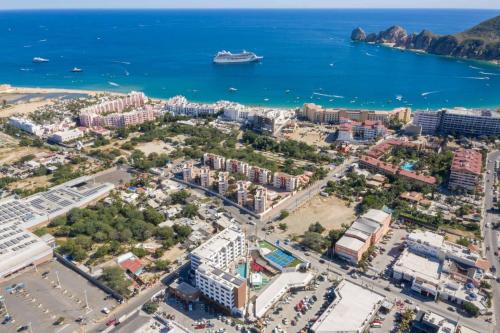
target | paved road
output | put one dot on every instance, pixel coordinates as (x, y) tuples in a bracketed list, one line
[(143, 297), (379, 285), (490, 235), (303, 196)]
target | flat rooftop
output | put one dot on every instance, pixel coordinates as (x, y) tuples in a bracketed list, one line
[(426, 237), (351, 311), (350, 243), (277, 288), (428, 269), (213, 246), (58, 200)]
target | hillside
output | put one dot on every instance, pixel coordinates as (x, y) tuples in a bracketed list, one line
[(481, 42)]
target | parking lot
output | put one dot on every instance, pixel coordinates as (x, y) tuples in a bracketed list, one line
[(388, 249), (300, 309), (201, 312), (49, 293)]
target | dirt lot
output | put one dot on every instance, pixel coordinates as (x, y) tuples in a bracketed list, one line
[(30, 183), (11, 152), (173, 254), (156, 146), (316, 136), (24, 107), (331, 212)]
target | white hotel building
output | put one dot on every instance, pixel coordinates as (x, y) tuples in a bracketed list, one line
[(220, 250), (223, 288)]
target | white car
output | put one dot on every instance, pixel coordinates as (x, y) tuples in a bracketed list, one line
[(105, 310)]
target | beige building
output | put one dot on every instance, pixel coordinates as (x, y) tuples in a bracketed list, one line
[(260, 200), (205, 177), (317, 114), (223, 183)]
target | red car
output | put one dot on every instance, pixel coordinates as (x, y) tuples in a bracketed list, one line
[(111, 322)]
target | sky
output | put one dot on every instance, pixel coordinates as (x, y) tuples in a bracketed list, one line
[(41, 4)]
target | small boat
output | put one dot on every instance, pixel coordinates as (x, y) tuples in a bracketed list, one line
[(39, 60), (233, 89), (76, 70)]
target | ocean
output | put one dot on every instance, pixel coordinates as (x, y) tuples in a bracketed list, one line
[(308, 56)]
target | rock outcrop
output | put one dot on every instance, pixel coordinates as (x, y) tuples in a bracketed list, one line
[(481, 42)]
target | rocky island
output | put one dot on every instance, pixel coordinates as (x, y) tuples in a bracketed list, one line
[(481, 42)]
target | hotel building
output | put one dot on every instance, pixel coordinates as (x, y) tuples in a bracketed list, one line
[(459, 121), (317, 114), (465, 170), (223, 288), (66, 136), (220, 250)]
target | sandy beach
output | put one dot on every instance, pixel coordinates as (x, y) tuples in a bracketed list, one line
[(8, 89)]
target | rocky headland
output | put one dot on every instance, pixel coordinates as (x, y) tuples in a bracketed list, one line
[(481, 42)]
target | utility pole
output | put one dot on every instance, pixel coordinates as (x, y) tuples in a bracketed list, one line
[(58, 281), (86, 299)]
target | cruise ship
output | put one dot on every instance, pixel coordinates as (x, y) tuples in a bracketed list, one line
[(38, 59), (226, 57)]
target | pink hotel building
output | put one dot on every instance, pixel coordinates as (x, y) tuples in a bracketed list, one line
[(110, 113)]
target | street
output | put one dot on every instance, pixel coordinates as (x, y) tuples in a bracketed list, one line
[(490, 235)]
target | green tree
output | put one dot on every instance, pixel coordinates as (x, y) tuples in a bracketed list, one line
[(283, 214), (162, 265), (316, 227), (314, 241), (115, 278), (283, 226), (182, 231), (471, 309), (150, 307), (179, 197), (189, 210)]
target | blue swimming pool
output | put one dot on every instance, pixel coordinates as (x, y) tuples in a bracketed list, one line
[(408, 166)]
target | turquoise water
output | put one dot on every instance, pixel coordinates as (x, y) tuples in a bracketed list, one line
[(408, 166), (242, 270), (308, 56)]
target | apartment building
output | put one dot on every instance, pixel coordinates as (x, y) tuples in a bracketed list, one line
[(242, 192), (223, 183), (206, 177), (465, 170), (260, 200), (259, 175), (223, 288), (236, 166), (215, 162), (188, 173), (285, 181), (220, 250)]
